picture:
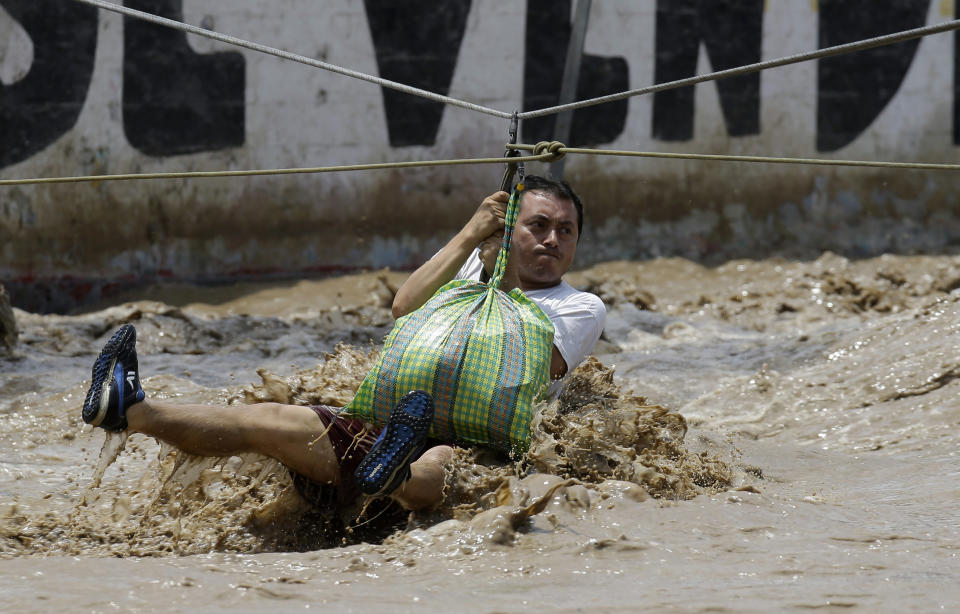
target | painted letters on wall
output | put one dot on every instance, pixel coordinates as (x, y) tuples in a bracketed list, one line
[(548, 30), (416, 43), (39, 108), (178, 101), (853, 89), (731, 32)]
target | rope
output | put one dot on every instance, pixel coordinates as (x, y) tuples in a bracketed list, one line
[(558, 150), (544, 151), (276, 171), (868, 43), (177, 25)]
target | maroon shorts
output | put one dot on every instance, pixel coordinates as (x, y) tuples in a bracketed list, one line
[(351, 440)]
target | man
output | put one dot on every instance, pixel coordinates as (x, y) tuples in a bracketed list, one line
[(334, 456)]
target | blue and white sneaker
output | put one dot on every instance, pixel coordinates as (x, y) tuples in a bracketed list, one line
[(115, 382), (387, 465)]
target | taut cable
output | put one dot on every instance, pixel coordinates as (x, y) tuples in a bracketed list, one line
[(558, 150), (233, 40), (275, 171), (862, 45)]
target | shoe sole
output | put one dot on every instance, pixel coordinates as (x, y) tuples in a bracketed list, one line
[(418, 426), (402, 464), (97, 403)]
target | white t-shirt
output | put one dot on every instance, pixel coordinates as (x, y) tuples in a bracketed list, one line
[(578, 317)]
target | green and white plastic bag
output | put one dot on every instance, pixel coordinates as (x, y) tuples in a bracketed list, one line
[(483, 354)]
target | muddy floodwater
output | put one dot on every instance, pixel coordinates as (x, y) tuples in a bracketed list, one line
[(760, 436)]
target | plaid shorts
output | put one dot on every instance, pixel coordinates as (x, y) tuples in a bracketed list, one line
[(351, 440)]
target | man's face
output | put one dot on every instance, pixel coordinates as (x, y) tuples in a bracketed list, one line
[(544, 239)]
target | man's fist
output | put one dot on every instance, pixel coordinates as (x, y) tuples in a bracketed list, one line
[(489, 217)]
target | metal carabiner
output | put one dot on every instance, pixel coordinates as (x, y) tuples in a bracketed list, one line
[(513, 168)]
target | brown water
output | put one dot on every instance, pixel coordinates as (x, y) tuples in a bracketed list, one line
[(761, 436)]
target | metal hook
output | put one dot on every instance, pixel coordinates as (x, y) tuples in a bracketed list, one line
[(512, 168)]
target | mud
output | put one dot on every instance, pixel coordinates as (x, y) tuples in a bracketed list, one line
[(760, 435)]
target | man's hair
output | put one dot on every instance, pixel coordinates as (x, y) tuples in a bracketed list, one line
[(557, 189)]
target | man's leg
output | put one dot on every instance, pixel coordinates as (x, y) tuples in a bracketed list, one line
[(292, 434), (424, 489)]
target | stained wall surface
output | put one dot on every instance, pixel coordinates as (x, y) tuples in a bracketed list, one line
[(88, 92)]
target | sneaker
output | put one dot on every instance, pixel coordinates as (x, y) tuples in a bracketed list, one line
[(115, 382), (387, 465)]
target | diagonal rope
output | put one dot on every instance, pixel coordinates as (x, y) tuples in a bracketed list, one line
[(542, 157), (544, 152), (868, 43), (224, 38), (559, 150)]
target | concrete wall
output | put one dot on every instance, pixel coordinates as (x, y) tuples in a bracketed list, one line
[(86, 92)]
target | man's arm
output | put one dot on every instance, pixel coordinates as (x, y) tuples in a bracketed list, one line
[(422, 283), (558, 366), (578, 323)]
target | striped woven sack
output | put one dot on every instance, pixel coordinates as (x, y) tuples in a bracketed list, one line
[(482, 353)]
